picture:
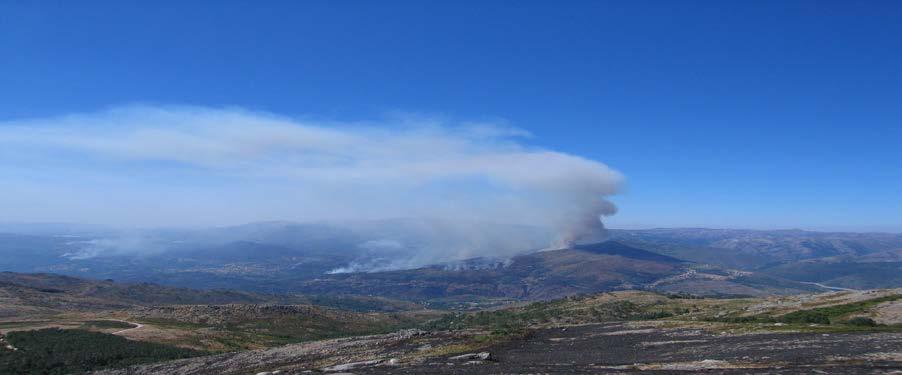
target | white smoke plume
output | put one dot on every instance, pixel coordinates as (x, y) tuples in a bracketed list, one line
[(586, 225), (190, 166)]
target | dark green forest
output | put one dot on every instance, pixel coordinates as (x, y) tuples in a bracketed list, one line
[(66, 351)]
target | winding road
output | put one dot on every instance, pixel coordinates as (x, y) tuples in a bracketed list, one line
[(136, 326), (830, 287)]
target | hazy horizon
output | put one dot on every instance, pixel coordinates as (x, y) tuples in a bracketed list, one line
[(287, 221)]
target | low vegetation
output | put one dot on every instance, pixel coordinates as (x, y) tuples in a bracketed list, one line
[(362, 303), (832, 314), (835, 314), (106, 324), (636, 306), (578, 309), (862, 321), (241, 327)]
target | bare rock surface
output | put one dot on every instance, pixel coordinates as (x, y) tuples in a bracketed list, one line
[(481, 356), (290, 359), (609, 348), (888, 312), (353, 365)]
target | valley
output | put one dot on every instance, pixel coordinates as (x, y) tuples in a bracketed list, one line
[(292, 258)]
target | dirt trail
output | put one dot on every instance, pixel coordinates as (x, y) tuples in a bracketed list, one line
[(831, 287), (136, 326)]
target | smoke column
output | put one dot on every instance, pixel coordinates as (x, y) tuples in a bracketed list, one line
[(586, 225), (196, 166)]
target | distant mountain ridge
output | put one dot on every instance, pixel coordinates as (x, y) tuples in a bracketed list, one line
[(52, 291), (285, 257), (851, 260), (589, 268)]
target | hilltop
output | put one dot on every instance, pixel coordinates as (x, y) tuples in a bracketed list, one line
[(590, 268)]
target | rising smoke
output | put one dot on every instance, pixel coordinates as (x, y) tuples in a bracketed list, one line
[(189, 166), (586, 225)]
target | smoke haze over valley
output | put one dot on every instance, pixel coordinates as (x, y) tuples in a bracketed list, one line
[(173, 167)]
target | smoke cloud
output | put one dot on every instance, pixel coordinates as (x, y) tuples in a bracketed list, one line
[(190, 166)]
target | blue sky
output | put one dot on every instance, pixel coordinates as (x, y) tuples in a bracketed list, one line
[(756, 114)]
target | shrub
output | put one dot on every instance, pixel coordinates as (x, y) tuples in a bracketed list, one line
[(652, 315), (744, 319), (806, 316), (862, 321)]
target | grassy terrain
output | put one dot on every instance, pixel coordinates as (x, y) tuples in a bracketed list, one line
[(573, 310), (23, 323), (362, 303), (839, 314), (675, 309), (240, 327), (58, 351), (291, 329)]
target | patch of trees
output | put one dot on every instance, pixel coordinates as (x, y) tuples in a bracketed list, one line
[(105, 324), (806, 316), (862, 321), (64, 351)]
